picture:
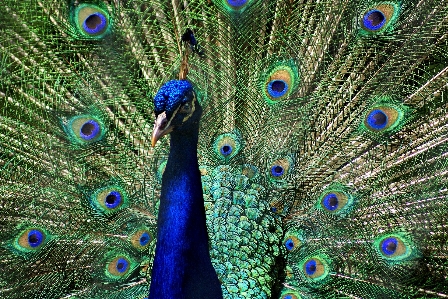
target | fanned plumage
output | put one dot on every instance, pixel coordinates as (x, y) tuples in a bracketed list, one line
[(322, 144)]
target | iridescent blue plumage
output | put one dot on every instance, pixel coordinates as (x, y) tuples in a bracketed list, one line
[(171, 95)]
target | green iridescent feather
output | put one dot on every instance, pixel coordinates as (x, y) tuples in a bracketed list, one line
[(301, 99)]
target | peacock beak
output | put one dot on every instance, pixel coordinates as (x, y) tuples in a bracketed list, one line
[(161, 128)]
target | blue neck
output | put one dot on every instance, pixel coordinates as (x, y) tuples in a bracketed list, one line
[(182, 266)]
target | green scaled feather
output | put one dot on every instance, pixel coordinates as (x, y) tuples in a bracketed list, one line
[(238, 217)]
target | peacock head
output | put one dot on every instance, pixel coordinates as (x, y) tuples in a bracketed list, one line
[(177, 109)]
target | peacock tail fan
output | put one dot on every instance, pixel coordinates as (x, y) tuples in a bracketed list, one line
[(322, 144)]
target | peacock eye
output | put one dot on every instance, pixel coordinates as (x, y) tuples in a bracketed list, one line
[(122, 265), (236, 4), (89, 129), (374, 19), (109, 200), (112, 200), (395, 248), (336, 200), (279, 82), (116, 266), (280, 167), (315, 268), (293, 240), (94, 23), (310, 267), (377, 119), (379, 18), (226, 149), (292, 243), (141, 239), (389, 246), (35, 238), (330, 202), (290, 295), (91, 21), (84, 129), (31, 239), (277, 88), (119, 267), (384, 118), (144, 239), (227, 145), (277, 170)]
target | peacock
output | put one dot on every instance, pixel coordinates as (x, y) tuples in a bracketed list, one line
[(307, 156), (182, 266)]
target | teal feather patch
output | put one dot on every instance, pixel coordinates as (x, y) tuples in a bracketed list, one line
[(161, 170), (238, 217)]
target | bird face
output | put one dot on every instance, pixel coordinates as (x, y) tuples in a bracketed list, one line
[(176, 107)]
